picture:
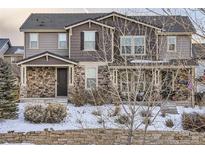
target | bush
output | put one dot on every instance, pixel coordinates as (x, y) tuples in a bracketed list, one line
[(193, 122), (115, 112), (146, 113), (51, 113), (122, 119), (163, 114), (169, 123), (97, 113), (94, 97), (146, 121)]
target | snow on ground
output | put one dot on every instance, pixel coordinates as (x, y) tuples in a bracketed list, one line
[(82, 117)]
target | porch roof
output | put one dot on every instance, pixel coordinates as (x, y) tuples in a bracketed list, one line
[(47, 59), (180, 63)]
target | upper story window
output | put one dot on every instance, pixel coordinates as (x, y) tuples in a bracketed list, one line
[(171, 43), (91, 77), (62, 40), (33, 38), (132, 45), (89, 40)]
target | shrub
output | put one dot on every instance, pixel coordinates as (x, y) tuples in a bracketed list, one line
[(93, 97), (169, 123), (163, 114), (146, 121), (193, 122), (97, 113), (34, 114), (51, 113), (115, 112), (146, 113), (122, 119)]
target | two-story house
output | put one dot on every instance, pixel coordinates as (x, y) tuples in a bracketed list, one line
[(96, 50)]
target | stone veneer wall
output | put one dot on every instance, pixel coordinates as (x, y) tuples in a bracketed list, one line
[(40, 82), (102, 136), (104, 82)]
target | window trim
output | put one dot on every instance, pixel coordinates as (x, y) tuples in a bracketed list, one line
[(59, 41), (30, 40), (96, 77), (175, 43), (94, 31), (133, 45)]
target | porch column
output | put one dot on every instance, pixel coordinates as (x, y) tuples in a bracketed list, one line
[(193, 86), (23, 79)]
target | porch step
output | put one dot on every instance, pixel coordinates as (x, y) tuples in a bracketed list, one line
[(44, 100), (169, 107)]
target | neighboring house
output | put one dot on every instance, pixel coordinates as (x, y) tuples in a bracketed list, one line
[(199, 55), (10, 53), (68, 51)]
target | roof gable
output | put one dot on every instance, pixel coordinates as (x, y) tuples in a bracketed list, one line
[(87, 21), (47, 58)]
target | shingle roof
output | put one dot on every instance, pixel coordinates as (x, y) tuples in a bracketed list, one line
[(3, 42), (15, 50), (198, 50), (58, 21)]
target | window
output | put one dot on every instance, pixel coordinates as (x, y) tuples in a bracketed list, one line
[(157, 77), (91, 78), (132, 45), (33, 41), (89, 40), (62, 41), (171, 43), (139, 45)]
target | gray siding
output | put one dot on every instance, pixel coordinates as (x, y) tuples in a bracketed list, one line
[(47, 42), (183, 48), (100, 55)]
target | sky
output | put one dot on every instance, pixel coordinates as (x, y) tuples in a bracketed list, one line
[(12, 19)]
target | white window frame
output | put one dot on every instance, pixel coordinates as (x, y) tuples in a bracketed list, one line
[(85, 41), (96, 76), (133, 44), (30, 40), (12, 59), (71, 75), (60, 41), (168, 43)]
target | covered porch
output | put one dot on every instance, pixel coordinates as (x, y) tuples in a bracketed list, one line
[(156, 83), (46, 78)]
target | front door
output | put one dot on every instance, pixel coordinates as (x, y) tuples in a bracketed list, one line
[(62, 81)]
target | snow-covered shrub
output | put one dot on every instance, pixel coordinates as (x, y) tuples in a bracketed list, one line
[(34, 113), (193, 122), (116, 111), (51, 113), (97, 113), (169, 123), (146, 121), (146, 113), (163, 114), (55, 113), (122, 119)]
